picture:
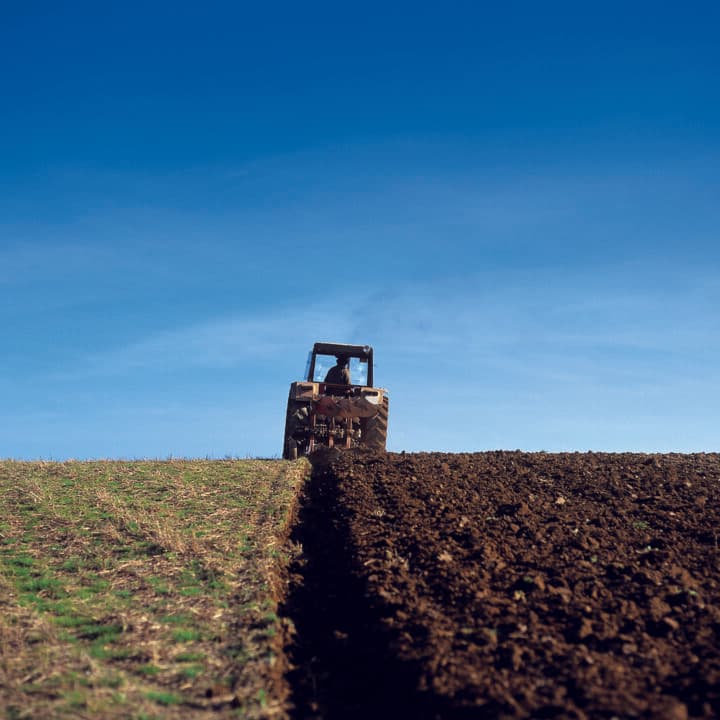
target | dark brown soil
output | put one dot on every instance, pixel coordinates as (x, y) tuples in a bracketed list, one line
[(516, 585)]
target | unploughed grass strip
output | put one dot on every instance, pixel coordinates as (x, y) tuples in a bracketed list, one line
[(143, 589)]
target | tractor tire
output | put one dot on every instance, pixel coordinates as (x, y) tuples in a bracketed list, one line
[(291, 450), (374, 429), (292, 447)]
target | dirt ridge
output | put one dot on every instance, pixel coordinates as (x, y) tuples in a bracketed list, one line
[(342, 663)]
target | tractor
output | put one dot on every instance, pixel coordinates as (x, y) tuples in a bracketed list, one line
[(336, 404)]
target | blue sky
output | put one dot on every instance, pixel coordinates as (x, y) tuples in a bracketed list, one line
[(517, 206)]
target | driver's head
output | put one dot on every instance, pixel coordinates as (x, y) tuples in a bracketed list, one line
[(342, 360)]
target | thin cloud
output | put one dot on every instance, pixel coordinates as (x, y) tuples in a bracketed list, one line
[(573, 321), (30, 262), (223, 343)]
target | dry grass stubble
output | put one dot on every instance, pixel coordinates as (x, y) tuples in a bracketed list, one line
[(143, 589)]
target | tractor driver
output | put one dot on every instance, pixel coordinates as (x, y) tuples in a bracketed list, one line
[(339, 374)]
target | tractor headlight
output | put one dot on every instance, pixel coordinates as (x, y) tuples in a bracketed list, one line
[(372, 396), (303, 391)]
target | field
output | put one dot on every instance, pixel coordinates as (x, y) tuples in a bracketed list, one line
[(144, 589), (511, 585), (500, 585)]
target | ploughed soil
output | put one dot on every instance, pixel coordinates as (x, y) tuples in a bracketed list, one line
[(510, 585)]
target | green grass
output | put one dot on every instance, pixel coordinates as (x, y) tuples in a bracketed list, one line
[(163, 698), (186, 635), (131, 589)]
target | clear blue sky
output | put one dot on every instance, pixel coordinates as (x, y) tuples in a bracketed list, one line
[(517, 204)]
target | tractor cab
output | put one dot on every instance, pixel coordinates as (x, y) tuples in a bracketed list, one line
[(324, 356)]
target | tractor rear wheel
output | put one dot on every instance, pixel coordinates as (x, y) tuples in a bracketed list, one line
[(374, 429), (295, 420)]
